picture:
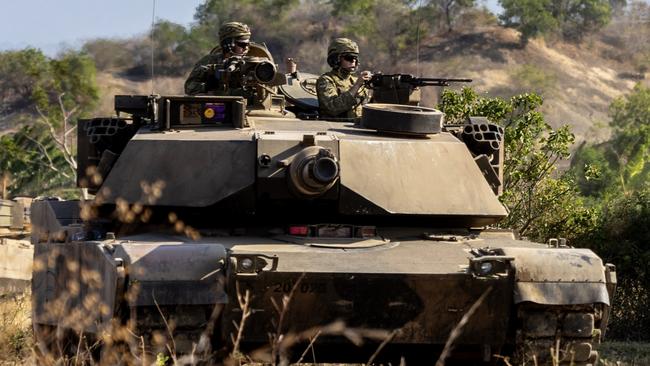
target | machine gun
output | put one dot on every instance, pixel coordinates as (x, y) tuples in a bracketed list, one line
[(403, 88)]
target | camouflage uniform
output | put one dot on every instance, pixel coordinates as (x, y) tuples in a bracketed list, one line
[(334, 98), (333, 87), (205, 76)]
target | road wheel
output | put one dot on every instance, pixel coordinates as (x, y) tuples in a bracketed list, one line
[(557, 335)]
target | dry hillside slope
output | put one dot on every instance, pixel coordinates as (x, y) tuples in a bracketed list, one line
[(577, 83)]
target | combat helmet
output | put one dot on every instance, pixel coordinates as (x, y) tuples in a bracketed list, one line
[(231, 32), (340, 46)]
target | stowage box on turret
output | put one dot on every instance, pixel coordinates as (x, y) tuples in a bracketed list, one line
[(220, 225)]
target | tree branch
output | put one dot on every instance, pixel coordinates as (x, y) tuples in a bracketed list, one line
[(67, 155), (44, 151)]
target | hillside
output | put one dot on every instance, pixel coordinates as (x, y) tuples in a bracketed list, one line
[(577, 82)]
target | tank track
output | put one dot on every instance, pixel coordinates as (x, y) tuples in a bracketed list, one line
[(558, 335)]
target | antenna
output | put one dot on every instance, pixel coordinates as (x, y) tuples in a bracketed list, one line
[(153, 24), (417, 39)]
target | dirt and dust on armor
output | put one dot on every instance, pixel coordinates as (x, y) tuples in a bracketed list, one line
[(234, 38), (341, 93)]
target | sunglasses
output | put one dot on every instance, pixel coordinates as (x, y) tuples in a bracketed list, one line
[(350, 58), (242, 44)]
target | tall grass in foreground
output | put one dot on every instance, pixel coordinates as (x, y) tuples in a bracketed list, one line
[(15, 329), (17, 344)]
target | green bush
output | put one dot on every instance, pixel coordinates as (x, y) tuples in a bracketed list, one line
[(542, 203), (533, 78)]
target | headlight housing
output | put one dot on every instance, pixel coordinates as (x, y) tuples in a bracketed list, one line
[(490, 266)]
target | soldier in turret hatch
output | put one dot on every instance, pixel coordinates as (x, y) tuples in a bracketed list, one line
[(234, 40), (340, 92)]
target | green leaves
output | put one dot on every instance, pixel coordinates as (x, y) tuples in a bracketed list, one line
[(541, 204), (572, 18), (616, 176), (624, 160), (531, 17), (54, 92)]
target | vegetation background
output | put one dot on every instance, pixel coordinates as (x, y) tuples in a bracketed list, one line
[(566, 78)]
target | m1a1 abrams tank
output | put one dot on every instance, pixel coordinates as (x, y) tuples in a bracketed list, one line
[(222, 227), (15, 249)]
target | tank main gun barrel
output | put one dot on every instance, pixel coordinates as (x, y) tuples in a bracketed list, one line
[(313, 171)]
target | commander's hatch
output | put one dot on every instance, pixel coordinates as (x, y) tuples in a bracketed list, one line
[(300, 91)]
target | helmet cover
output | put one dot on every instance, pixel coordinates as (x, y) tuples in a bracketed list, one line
[(234, 30)]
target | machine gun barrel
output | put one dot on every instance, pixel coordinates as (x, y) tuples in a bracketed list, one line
[(436, 81), (403, 88)]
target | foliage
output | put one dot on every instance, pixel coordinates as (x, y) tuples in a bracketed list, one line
[(277, 22), (541, 205), (534, 78), (614, 353), (623, 163), (269, 21), (623, 238), (175, 51), (531, 17), (450, 9), (20, 73), (40, 157), (594, 174), (573, 19), (631, 143), (111, 54), (616, 174)]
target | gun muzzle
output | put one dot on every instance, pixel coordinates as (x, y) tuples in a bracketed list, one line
[(313, 171)]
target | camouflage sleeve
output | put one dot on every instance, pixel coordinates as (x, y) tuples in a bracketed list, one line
[(197, 82), (365, 94), (330, 101)]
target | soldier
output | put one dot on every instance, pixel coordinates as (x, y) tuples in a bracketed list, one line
[(234, 39), (340, 93)]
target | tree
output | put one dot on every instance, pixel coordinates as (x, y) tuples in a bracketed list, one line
[(542, 204), (530, 17), (623, 163), (381, 42), (622, 237), (572, 18), (631, 142), (450, 9), (20, 73), (174, 51), (617, 174), (268, 19), (40, 156)]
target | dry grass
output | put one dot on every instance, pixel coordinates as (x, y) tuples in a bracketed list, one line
[(625, 353), (15, 330), (16, 342)]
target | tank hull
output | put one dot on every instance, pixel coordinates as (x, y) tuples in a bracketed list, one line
[(411, 291)]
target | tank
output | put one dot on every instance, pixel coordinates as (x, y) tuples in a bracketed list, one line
[(15, 248), (226, 227)]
